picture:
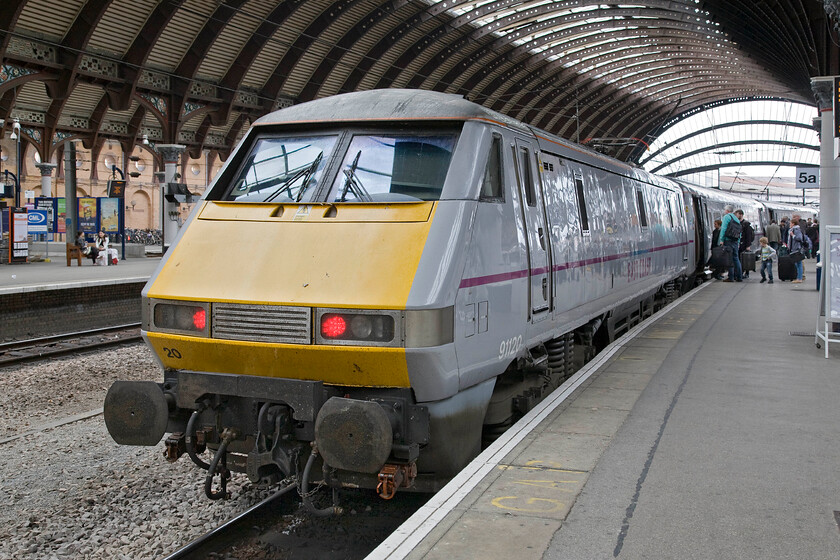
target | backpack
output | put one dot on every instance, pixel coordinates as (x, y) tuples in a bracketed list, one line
[(733, 230)]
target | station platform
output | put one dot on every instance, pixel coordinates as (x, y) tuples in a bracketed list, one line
[(44, 298), (710, 431), (55, 274)]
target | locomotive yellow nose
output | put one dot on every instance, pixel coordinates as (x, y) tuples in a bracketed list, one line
[(361, 256)]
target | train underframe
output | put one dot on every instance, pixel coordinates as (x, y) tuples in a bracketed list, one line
[(351, 437)]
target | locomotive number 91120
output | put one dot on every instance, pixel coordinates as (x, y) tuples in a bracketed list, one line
[(508, 348)]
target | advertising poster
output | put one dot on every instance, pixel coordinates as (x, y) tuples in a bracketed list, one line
[(61, 209), (109, 212), (87, 215)]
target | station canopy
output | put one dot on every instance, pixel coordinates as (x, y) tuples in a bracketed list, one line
[(198, 72)]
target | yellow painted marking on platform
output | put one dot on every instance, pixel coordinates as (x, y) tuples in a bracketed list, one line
[(538, 468), (556, 484), (671, 334), (548, 504)]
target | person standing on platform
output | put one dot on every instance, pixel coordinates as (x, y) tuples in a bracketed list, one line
[(784, 229), (813, 233), (717, 271), (747, 238), (767, 254), (798, 243), (774, 235), (730, 237)]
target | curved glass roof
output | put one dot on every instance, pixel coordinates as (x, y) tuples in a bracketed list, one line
[(766, 137)]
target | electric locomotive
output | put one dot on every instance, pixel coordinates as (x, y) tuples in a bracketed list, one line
[(378, 282)]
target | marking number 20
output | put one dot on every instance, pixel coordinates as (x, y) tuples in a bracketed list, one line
[(172, 353), (509, 347)]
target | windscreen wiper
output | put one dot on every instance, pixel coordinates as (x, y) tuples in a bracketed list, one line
[(304, 185), (353, 184), (306, 173)]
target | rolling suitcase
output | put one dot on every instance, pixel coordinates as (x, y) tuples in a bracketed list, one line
[(787, 270), (748, 261)]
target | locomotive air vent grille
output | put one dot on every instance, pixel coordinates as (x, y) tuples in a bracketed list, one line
[(262, 323)]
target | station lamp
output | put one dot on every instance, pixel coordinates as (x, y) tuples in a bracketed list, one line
[(16, 137)]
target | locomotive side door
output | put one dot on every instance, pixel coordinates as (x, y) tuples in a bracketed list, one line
[(536, 230)]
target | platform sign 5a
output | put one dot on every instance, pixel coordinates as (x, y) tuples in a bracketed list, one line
[(37, 221), (807, 177)]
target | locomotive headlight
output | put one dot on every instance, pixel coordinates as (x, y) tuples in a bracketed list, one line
[(186, 318), (360, 327)]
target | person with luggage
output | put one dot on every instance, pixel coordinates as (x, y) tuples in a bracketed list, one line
[(784, 229), (730, 237), (717, 270), (767, 254), (747, 238), (773, 234), (798, 243)]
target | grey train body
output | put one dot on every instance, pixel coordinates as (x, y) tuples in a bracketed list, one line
[(539, 253)]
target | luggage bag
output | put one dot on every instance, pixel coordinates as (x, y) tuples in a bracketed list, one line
[(787, 270), (748, 261), (721, 258)]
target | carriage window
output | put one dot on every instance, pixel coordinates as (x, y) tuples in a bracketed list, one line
[(282, 170), (584, 218), (527, 178), (491, 185), (391, 168), (642, 212), (670, 213)]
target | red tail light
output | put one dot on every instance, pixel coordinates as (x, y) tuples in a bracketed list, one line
[(200, 319), (333, 326)]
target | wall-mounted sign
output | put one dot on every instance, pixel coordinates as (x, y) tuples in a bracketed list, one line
[(37, 221), (807, 177), (116, 188)]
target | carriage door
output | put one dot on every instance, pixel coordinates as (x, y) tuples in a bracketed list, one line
[(536, 231)]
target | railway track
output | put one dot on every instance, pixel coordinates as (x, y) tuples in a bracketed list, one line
[(279, 528), (36, 349)]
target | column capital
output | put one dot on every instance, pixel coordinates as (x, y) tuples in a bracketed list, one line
[(823, 88), (46, 169), (170, 152)]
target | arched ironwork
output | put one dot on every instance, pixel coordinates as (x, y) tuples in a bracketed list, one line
[(574, 67)]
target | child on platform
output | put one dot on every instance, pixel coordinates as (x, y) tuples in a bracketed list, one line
[(767, 254)]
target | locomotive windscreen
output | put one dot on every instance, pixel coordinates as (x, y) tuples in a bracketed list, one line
[(384, 168), (282, 169)]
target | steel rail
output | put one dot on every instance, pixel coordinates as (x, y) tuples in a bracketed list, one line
[(22, 351), (197, 548)]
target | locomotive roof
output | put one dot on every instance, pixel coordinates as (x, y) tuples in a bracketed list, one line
[(387, 104)]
